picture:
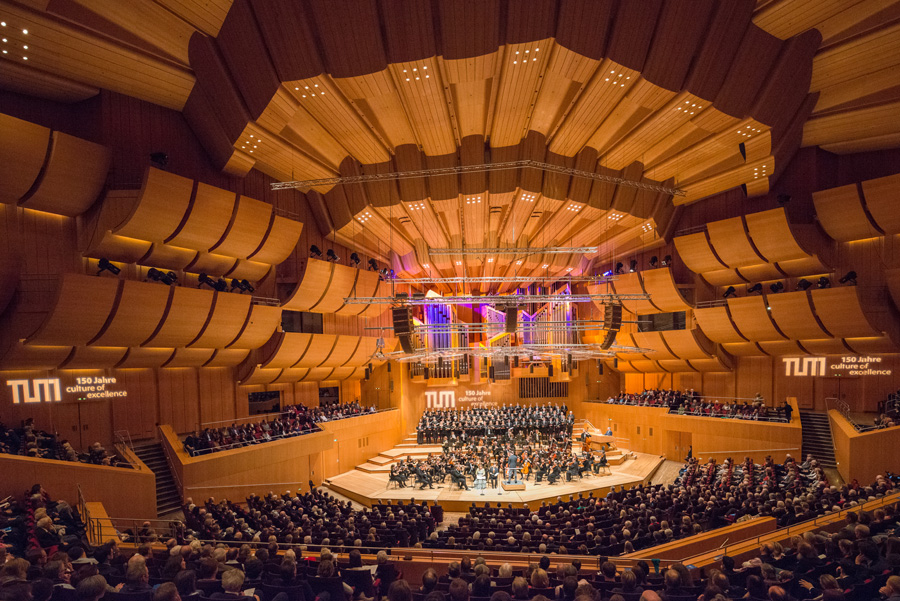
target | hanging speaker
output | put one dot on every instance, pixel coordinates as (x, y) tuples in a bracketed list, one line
[(600, 367), (491, 372), (367, 373), (609, 339), (615, 363), (612, 322), (427, 373), (550, 370), (389, 366), (403, 325), (512, 314)]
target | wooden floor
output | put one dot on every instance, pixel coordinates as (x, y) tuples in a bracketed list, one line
[(368, 488)]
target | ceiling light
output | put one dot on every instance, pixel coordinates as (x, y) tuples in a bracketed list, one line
[(25, 31), (545, 266), (3, 23)]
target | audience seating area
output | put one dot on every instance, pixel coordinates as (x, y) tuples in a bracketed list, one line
[(29, 441), (295, 421), (690, 402)]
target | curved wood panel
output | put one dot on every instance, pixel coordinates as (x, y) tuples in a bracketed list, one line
[(319, 350), (188, 313), (841, 213), (227, 357), (21, 156), (169, 257), (623, 366), (660, 285), (717, 325), (893, 283), (623, 339), (882, 196), (376, 309), (654, 340), (697, 254), (367, 346), (288, 376), (291, 348), (280, 242), (146, 358), (250, 270), (247, 230), (724, 277), (793, 313), (9, 275), (743, 349), (312, 287), (212, 264), (229, 313), (318, 374), (629, 283), (344, 348), (687, 344), (138, 313), (760, 272), (674, 366), (260, 326), (94, 357), (343, 279), (841, 313), (161, 205), (771, 234), (708, 365), (83, 304), (803, 267), (343, 373), (208, 219), (778, 348), (72, 179), (22, 356), (366, 287), (829, 346), (118, 248), (881, 344), (731, 243), (751, 317), (190, 357)]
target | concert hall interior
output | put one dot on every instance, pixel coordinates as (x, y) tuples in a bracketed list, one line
[(304, 281)]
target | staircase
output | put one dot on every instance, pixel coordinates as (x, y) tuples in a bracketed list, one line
[(153, 456), (817, 439)]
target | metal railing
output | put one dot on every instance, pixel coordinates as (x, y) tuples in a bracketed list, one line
[(171, 462)]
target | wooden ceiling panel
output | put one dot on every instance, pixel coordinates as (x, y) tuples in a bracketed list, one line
[(358, 21), (697, 253), (160, 207), (139, 311), (793, 313), (21, 157), (752, 317), (752, 63), (227, 318), (882, 197), (82, 307), (205, 15), (716, 324), (680, 29), (249, 226), (632, 33), (841, 313), (421, 92), (187, 314), (260, 326), (286, 29), (841, 214)]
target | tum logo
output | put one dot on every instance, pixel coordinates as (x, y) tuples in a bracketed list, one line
[(804, 366), (445, 399), (35, 391)]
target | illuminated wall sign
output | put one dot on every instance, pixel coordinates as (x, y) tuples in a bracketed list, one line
[(446, 399), (35, 391), (848, 366), (95, 388)]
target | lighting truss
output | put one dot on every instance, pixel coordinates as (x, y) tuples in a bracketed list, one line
[(517, 252), (492, 327), (541, 352), (460, 169), (516, 279), (507, 299)]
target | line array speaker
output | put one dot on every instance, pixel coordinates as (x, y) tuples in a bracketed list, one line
[(612, 321), (403, 326), (512, 315)]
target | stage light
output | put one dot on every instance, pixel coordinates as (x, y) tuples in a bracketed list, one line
[(373, 265), (654, 261), (354, 259), (315, 251), (776, 287), (619, 267), (754, 288), (159, 276), (105, 265), (803, 284), (849, 278), (729, 292), (331, 256), (241, 285), (667, 260), (633, 266), (823, 283), (205, 279)]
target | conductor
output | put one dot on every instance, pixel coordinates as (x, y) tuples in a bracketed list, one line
[(512, 466)]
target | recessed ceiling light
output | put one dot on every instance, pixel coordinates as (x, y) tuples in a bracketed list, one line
[(3, 23), (24, 58), (25, 31), (25, 47)]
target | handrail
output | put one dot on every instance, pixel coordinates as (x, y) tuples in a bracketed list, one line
[(238, 445), (230, 486), (171, 462), (258, 416)]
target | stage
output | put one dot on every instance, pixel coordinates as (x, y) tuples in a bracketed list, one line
[(370, 487)]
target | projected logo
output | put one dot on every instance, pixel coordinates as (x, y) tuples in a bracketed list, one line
[(804, 366), (444, 399), (34, 391)]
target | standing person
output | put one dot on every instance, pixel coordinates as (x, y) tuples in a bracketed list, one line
[(690, 454), (788, 410)]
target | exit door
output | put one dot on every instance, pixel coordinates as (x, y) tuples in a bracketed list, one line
[(677, 444), (83, 424), (842, 389)]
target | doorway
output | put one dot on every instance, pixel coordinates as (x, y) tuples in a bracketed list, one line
[(677, 444), (838, 388)]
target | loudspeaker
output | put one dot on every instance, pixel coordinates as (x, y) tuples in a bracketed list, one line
[(616, 362), (512, 314), (612, 322), (609, 340), (403, 326), (491, 372), (550, 370), (427, 373), (600, 367)]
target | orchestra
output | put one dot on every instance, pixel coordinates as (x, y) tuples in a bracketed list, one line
[(511, 442)]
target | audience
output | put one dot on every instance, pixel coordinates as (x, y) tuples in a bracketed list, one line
[(27, 440), (690, 402)]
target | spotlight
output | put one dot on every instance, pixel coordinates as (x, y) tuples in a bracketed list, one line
[(849, 278), (754, 288), (315, 251), (632, 266), (331, 256), (373, 265), (159, 159), (158, 276), (667, 260), (205, 279), (803, 284), (246, 286), (105, 265), (729, 292), (354, 259), (823, 283), (619, 267), (654, 261), (241, 285), (776, 287)]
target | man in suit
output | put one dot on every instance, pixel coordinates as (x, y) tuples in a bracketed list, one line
[(493, 474)]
